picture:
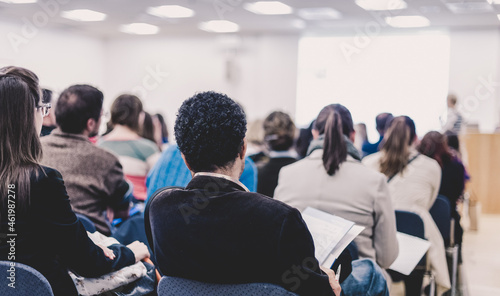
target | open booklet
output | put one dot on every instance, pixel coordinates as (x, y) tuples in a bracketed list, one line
[(331, 234)]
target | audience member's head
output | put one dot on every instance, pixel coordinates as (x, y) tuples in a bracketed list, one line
[(304, 139), (49, 120), (210, 132), (452, 100), (255, 132), (126, 111), (452, 140), (434, 145), (78, 110), (335, 123), (279, 131), (162, 131), (382, 121), (147, 127), (21, 117), (399, 137)]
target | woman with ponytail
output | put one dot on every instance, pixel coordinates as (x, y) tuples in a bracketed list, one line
[(414, 181), (413, 178), (332, 179)]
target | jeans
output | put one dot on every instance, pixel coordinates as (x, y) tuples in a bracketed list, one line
[(366, 279)]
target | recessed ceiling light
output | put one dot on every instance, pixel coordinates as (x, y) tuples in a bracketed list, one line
[(171, 11), (498, 15), (319, 13), (494, 1), (139, 29), (469, 7), (84, 15), (268, 7), (381, 4), (219, 26), (18, 1), (410, 21)]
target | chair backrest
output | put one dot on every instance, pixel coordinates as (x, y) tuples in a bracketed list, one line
[(87, 223), (441, 214), (412, 224), (25, 279), (173, 286)]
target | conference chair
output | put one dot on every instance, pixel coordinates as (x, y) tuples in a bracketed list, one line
[(411, 224), (27, 280), (87, 223), (441, 214), (173, 286)]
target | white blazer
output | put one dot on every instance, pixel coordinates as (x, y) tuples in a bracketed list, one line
[(415, 190)]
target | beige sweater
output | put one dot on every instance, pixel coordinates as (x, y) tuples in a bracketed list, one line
[(355, 193)]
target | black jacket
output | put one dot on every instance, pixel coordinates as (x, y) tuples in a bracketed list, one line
[(215, 231), (52, 240), (268, 174)]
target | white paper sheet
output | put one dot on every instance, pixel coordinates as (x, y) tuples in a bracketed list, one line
[(411, 250), (327, 231)]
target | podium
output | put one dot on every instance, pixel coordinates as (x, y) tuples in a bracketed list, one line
[(483, 153)]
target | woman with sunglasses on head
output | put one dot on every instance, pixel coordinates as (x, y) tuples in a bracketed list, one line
[(35, 207)]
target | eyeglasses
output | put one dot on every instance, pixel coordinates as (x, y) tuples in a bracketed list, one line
[(45, 109)]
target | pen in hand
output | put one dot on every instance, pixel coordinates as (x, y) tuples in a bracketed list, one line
[(337, 274)]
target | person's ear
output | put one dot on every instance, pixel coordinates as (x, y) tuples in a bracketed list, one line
[(91, 124), (187, 164), (315, 134), (352, 136), (243, 151)]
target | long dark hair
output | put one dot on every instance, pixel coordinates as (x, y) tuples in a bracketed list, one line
[(20, 148), (396, 145), (334, 121), (164, 130), (147, 128)]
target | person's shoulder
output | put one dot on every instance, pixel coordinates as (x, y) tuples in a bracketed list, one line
[(372, 158), (45, 176), (47, 139), (101, 155), (272, 206), (430, 163), (48, 172), (147, 143), (364, 171)]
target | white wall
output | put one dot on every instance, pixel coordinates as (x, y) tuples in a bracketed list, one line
[(58, 58), (264, 71), (475, 76)]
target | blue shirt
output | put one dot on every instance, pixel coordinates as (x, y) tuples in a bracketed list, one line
[(170, 170), (369, 148)]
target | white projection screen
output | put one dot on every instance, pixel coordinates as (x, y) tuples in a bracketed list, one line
[(402, 74)]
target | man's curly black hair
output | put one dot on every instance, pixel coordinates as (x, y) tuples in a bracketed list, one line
[(209, 130)]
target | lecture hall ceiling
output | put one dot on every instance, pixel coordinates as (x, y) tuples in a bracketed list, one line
[(340, 16)]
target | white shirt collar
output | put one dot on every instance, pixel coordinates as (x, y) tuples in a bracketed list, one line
[(223, 177)]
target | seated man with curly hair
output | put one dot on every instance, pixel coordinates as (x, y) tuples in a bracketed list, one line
[(214, 230)]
